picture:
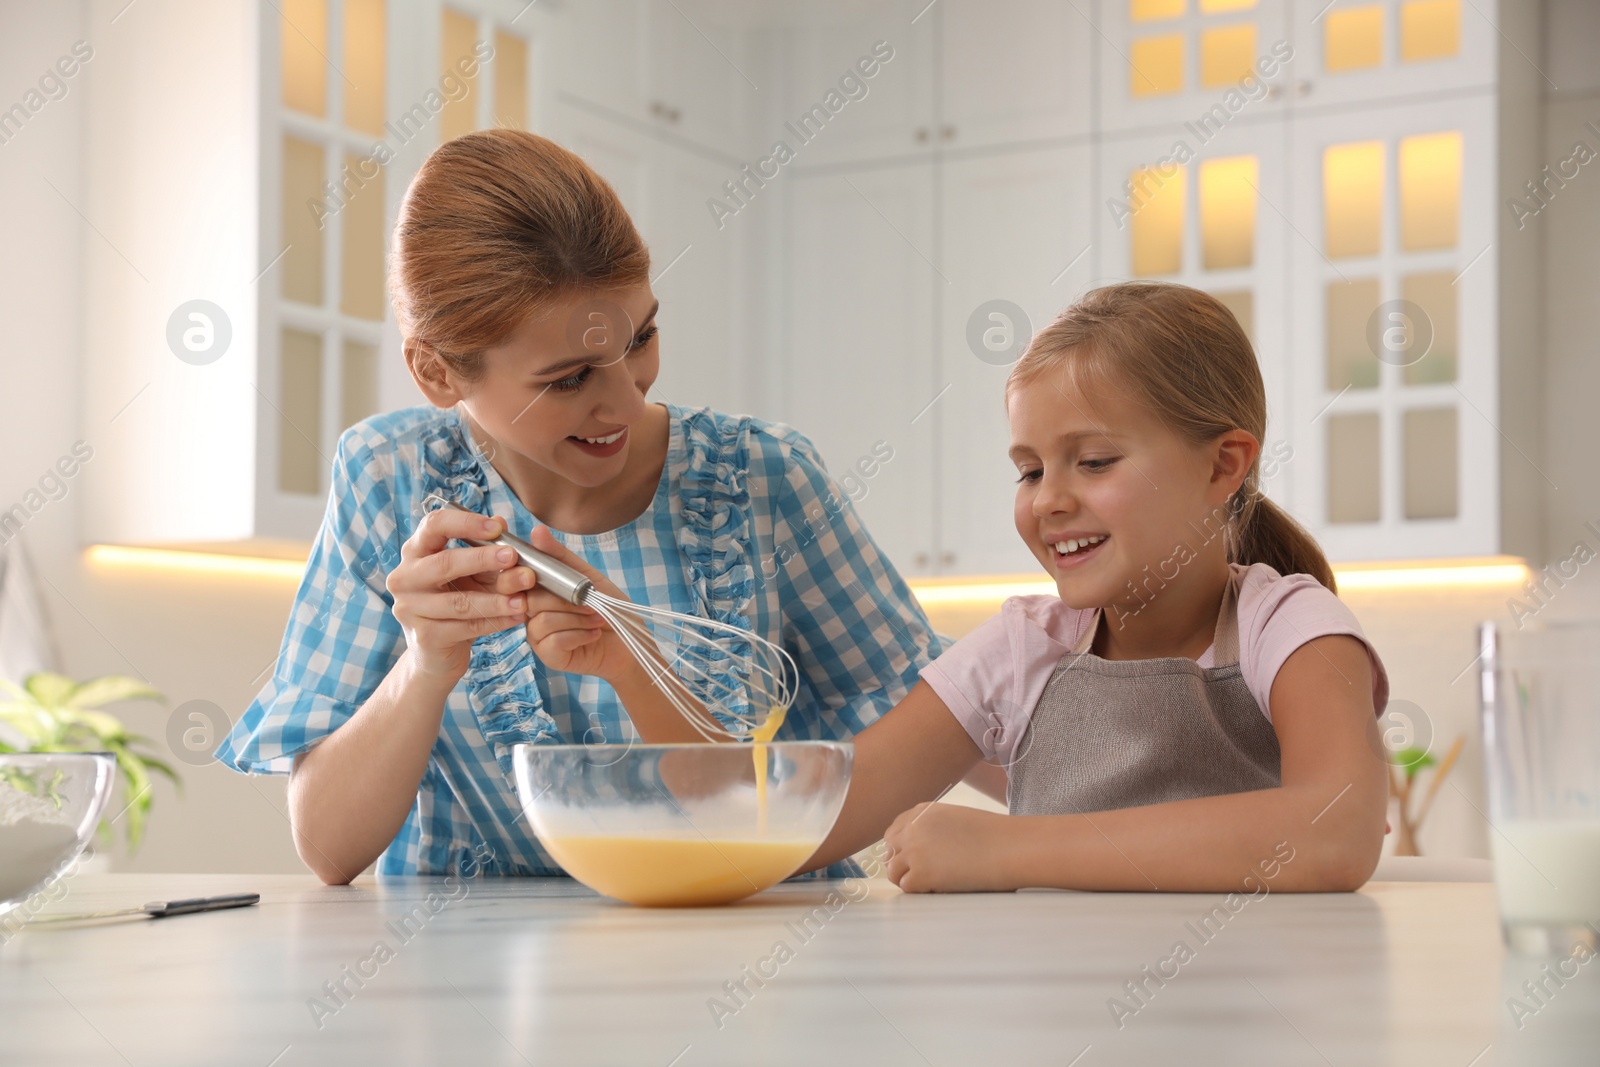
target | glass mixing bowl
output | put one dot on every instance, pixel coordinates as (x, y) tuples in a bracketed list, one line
[(682, 825), (50, 803)]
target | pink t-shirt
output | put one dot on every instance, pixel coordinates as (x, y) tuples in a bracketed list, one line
[(992, 678)]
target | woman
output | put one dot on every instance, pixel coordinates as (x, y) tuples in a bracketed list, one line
[(410, 668)]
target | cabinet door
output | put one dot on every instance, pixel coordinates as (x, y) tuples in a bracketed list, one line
[(600, 55), (1015, 228), (1205, 64), (1213, 219), (697, 272), (1394, 323), (893, 115), (700, 79), (1012, 70), (858, 369), (1377, 50)]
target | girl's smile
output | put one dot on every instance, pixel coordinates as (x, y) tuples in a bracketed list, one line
[(1108, 493)]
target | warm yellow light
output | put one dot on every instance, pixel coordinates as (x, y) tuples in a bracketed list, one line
[(1352, 198), (1156, 65), (1463, 573), (1227, 54), (1156, 234), (1353, 39), (1213, 7), (206, 563), (1430, 190), (1228, 212), (1152, 10), (1460, 575), (304, 46), (1430, 29)]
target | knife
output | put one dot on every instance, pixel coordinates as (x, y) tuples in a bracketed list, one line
[(161, 909)]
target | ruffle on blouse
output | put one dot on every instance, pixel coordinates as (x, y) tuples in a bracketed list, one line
[(501, 687), (712, 533), (714, 536)]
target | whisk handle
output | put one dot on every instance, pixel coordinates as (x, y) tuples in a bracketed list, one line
[(554, 576)]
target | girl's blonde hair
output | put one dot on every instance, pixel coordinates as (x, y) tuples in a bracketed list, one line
[(1184, 354), (495, 227)]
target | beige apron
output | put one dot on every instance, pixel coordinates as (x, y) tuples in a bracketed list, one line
[(1121, 733)]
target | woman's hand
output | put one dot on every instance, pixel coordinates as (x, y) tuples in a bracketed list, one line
[(947, 848), (570, 638), (446, 598)]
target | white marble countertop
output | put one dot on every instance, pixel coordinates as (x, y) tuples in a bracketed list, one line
[(543, 971)]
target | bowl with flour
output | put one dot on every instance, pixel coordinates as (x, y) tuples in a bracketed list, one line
[(50, 804)]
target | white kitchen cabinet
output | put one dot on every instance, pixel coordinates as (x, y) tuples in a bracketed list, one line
[(1012, 71), (1375, 51), (893, 115), (858, 374), (1211, 216), (1397, 456), (1168, 64), (1013, 227)]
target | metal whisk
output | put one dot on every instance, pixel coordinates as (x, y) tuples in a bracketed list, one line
[(681, 652)]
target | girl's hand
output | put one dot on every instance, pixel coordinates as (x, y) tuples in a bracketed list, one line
[(570, 638), (947, 848), (446, 598)]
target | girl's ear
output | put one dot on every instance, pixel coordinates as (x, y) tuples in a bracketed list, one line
[(1234, 453), (432, 374)]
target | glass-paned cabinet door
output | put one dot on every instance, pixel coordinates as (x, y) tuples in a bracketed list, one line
[(1214, 219), (355, 93), (1376, 50), (1392, 355), (325, 105), (1199, 63)]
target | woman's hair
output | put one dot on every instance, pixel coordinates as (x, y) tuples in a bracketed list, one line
[(1183, 354), (496, 226)]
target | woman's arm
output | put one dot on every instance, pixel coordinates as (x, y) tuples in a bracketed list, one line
[(1327, 815), (349, 795), (913, 753)]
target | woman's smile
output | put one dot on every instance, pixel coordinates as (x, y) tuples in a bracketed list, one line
[(603, 446)]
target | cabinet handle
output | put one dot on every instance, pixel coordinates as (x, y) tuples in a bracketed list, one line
[(920, 560), (664, 112), (948, 133), (947, 558), (921, 136), (1302, 88)]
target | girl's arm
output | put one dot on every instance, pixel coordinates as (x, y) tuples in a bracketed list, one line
[(1327, 816), (915, 752)]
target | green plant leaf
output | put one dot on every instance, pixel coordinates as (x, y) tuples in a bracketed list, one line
[(1412, 760), (51, 690), (138, 795), (107, 728), (107, 690), (33, 722)]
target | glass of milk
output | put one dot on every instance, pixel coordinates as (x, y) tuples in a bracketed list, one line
[(50, 804), (1540, 689)]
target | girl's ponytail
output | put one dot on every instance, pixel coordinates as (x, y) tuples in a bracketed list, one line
[(1267, 534)]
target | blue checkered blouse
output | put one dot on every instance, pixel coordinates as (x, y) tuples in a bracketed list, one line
[(746, 527)]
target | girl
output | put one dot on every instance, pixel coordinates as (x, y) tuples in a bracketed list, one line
[(523, 297), (1196, 706)]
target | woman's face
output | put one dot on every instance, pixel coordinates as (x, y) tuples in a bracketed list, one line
[(567, 388)]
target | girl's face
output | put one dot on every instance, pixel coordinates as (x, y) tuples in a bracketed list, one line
[(1106, 490), (567, 389)]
